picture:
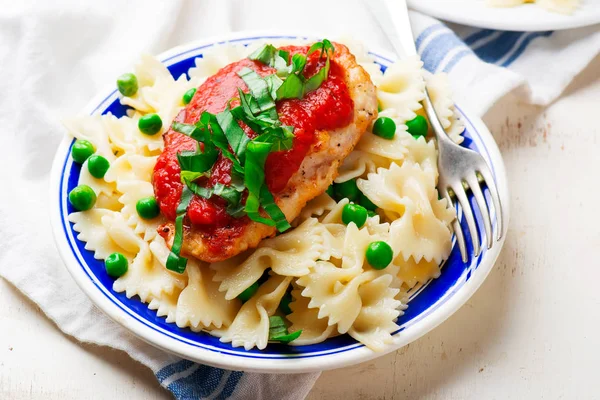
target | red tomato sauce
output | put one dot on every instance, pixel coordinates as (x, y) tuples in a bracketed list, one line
[(326, 108)]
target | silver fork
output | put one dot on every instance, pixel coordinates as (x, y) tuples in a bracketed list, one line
[(457, 165)]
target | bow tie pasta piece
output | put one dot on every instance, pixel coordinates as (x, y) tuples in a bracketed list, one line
[(399, 187), (402, 88), (314, 330), (315, 208), (147, 276), (407, 194), (165, 305), (411, 273), (130, 167), (375, 323), (290, 254), (394, 149), (334, 290), (423, 153), (133, 191), (250, 327), (440, 92), (92, 129), (201, 305), (99, 186), (105, 232), (358, 164)]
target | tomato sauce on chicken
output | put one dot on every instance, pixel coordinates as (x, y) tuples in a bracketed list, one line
[(326, 108)]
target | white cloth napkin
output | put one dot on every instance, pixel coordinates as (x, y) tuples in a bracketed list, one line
[(54, 56)]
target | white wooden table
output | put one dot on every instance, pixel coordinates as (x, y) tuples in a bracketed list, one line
[(531, 331)]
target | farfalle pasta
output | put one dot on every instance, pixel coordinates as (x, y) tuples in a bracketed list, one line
[(317, 275)]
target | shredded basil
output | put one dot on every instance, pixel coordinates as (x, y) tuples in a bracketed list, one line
[(292, 88), (264, 54), (258, 87), (325, 46), (197, 161), (317, 79), (174, 261), (278, 331), (236, 137)]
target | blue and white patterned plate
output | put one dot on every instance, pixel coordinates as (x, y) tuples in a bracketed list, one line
[(428, 307)]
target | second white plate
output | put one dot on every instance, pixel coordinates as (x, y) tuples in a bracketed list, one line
[(528, 17)]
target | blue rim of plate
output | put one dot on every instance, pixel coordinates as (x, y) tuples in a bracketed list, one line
[(423, 303)]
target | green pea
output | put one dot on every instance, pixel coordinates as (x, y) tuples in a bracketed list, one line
[(97, 166), (384, 127), (249, 292), (371, 214), (116, 265), (82, 198), (379, 254), (82, 150), (150, 124), (189, 95), (346, 190), (147, 208), (354, 213), (127, 84), (329, 191), (284, 304), (366, 202), (417, 126)]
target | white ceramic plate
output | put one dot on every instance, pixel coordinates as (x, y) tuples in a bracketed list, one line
[(528, 17), (428, 307)]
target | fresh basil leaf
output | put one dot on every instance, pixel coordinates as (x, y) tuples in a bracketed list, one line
[(299, 62), (272, 209), (277, 327), (284, 54), (196, 161), (237, 138), (231, 195), (184, 202), (315, 47), (252, 208), (325, 45), (220, 141), (174, 261), (256, 156), (317, 79), (285, 339), (263, 54), (196, 132), (190, 176), (281, 138), (278, 330), (292, 88), (273, 83), (258, 87)]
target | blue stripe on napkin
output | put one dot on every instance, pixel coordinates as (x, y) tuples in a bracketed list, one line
[(441, 48), (188, 380)]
